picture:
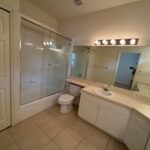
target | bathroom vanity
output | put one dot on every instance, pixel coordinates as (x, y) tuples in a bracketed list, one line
[(121, 116), (107, 116)]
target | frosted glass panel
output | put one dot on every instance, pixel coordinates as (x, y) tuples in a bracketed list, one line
[(43, 62)]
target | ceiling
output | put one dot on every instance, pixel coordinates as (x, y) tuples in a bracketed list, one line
[(65, 9)]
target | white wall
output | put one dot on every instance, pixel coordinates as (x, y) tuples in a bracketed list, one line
[(131, 20), (37, 14)]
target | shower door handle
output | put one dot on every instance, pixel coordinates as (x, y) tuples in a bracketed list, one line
[(32, 80)]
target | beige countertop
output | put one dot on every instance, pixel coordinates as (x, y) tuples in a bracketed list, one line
[(121, 99), (83, 82), (80, 82)]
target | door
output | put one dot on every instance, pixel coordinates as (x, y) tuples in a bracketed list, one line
[(4, 70), (126, 69), (137, 133), (88, 110), (112, 122), (57, 65)]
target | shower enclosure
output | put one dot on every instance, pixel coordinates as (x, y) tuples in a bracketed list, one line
[(44, 59)]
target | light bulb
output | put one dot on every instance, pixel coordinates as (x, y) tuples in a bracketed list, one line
[(105, 42), (132, 41), (47, 43), (113, 42), (96, 42), (122, 42), (44, 43), (50, 43)]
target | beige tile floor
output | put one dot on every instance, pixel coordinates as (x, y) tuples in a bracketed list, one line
[(51, 130)]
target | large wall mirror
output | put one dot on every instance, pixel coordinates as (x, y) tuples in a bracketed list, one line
[(126, 67)]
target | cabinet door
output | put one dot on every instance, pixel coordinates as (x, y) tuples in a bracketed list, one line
[(112, 122), (88, 110), (137, 132)]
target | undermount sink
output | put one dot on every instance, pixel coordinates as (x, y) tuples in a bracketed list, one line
[(104, 93)]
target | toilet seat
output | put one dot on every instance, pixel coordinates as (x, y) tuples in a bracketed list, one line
[(65, 99)]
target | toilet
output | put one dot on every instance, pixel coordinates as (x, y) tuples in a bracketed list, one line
[(66, 100)]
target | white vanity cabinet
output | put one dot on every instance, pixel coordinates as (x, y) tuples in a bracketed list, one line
[(107, 116), (137, 133), (112, 121)]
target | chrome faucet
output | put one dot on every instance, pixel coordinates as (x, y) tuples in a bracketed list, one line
[(106, 87)]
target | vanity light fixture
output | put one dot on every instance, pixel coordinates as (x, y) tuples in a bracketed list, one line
[(47, 43), (50, 43), (44, 43), (125, 42)]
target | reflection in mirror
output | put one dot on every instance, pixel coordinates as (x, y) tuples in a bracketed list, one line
[(80, 56), (126, 70), (126, 67)]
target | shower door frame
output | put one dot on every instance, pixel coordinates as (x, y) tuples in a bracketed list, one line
[(22, 16), (55, 32)]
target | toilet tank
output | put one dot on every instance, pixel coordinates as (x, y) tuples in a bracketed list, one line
[(74, 89)]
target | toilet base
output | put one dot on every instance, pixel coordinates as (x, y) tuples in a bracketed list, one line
[(66, 108)]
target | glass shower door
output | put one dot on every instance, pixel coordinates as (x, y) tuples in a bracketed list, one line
[(31, 62), (44, 58), (57, 65)]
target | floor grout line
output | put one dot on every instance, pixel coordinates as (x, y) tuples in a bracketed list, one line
[(57, 144), (71, 118), (46, 145), (82, 138)]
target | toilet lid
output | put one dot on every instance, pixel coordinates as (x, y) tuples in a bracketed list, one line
[(66, 97)]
